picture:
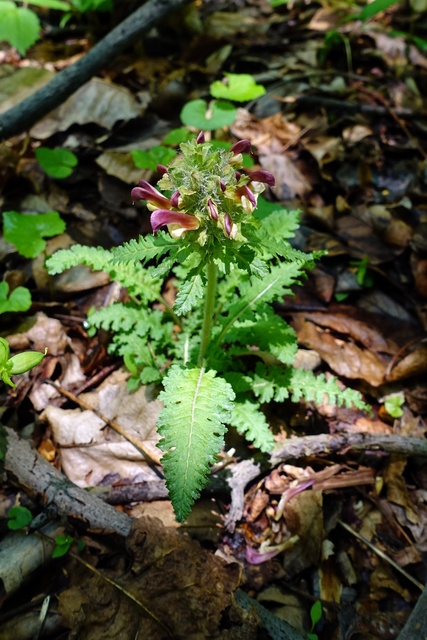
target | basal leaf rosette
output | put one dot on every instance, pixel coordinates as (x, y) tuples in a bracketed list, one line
[(211, 198)]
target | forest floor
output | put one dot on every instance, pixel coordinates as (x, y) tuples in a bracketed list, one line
[(337, 516)]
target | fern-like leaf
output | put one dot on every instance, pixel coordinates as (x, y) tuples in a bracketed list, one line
[(304, 384), (249, 420), (192, 423), (138, 281), (255, 292), (144, 249), (189, 295), (269, 332)]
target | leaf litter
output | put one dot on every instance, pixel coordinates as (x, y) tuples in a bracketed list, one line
[(334, 131)]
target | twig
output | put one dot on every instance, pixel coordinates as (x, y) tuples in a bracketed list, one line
[(381, 554), (305, 446), (55, 92), (37, 477)]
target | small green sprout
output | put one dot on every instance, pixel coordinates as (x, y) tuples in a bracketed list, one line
[(19, 518), (393, 405), (15, 365), (364, 279), (57, 163), (315, 615), (27, 231), (62, 546)]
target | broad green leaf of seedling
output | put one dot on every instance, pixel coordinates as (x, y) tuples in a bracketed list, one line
[(151, 158), (278, 3), (370, 10), (315, 615), (18, 25), (363, 278), (63, 545), (219, 114), (176, 136), (26, 232), (239, 87), (393, 406), (57, 5), (92, 5), (19, 299), (58, 163), (19, 517)]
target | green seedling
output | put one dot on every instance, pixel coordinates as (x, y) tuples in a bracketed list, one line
[(62, 546), (315, 616), (393, 406), (238, 87), (18, 364), (219, 113), (18, 300), (19, 518), (150, 159), (220, 352), (57, 163), (27, 231), (177, 136), (364, 279), (18, 25)]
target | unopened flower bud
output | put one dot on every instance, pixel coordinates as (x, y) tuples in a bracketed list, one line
[(175, 199), (162, 169), (222, 185), (200, 138), (243, 146), (213, 211)]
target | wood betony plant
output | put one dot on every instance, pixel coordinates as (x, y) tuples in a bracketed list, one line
[(221, 352)]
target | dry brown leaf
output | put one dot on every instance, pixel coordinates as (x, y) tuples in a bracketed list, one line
[(345, 358)]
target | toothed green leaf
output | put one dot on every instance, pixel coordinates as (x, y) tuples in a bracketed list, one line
[(249, 420), (189, 295), (192, 426)]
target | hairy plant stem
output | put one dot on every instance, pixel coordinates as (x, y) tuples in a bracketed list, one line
[(211, 272)]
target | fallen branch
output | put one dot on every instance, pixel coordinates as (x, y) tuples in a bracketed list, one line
[(305, 446), (55, 92), (36, 476)]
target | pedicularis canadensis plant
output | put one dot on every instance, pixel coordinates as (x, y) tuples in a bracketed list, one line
[(221, 351)]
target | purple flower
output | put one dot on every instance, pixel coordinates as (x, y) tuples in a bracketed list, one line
[(243, 146), (263, 176), (145, 191), (177, 223), (200, 138)]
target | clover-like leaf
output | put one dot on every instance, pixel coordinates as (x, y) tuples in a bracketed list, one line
[(239, 87), (19, 517), (58, 163), (18, 25), (19, 299), (26, 232), (63, 544), (219, 114), (151, 158)]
